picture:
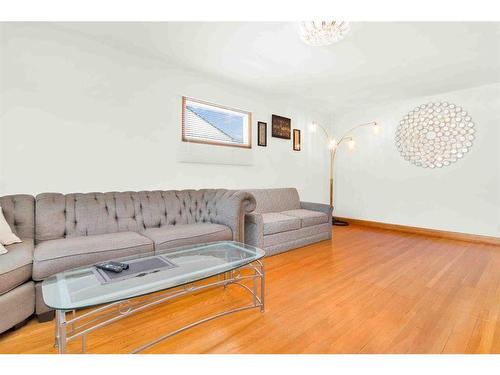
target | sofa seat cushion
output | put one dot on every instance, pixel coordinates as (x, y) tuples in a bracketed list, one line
[(16, 265), (308, 218), (172, 236), (275, 222), (55, 256)]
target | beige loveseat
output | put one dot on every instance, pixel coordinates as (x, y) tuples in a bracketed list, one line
[(282, 222)]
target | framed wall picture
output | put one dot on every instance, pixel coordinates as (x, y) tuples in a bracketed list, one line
[(281, 127), (296, 139), (262, 133)]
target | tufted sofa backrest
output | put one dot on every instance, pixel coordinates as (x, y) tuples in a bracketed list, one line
[(82, 214), (19, 211), (275, 200)]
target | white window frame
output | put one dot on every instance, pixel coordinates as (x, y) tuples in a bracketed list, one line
[(186, 138)]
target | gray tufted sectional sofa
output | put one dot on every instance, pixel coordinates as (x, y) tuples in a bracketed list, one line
[(17, 290), (282, 222), (61, 232)]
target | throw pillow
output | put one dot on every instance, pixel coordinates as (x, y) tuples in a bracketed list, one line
[(7, 237), (3, 250)]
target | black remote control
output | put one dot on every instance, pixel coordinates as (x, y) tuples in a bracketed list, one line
[(109, 267), (124, 266)]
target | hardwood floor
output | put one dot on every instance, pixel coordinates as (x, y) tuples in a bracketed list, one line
[(367, 291)]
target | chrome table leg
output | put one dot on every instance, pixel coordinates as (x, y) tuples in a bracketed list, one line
[(262, 286), (254, 287), (61, 324), (56, 331)]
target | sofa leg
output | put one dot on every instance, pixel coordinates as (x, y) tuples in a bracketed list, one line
[(46, 317), (17, 326), (21, 324)]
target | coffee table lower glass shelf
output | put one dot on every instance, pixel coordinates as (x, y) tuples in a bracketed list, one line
[(190, 269)]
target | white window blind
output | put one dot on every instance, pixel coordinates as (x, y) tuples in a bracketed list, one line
[(204, 122)]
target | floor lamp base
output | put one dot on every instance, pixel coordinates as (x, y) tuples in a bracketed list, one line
[(339, 223)]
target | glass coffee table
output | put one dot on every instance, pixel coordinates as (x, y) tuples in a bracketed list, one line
[(151, 279)]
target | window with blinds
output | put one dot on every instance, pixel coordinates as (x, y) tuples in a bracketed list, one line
[(204, 122)]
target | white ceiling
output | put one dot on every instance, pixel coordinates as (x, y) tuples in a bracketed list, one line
[(376, 61)]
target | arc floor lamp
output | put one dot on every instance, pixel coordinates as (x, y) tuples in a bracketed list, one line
[(333, 145)]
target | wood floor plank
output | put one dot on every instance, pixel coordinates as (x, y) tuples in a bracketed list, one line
[(368, 290)]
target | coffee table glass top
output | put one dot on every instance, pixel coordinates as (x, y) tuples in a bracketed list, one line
[(84, 287)]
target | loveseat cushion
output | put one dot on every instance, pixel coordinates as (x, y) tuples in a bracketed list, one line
[(64, 254), (16, 265), (172, 236), (275, 222), (308, 218)]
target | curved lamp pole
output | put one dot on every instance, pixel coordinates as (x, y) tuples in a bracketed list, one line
[(333, 145)]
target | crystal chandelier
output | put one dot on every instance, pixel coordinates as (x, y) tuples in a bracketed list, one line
[(323, 33)]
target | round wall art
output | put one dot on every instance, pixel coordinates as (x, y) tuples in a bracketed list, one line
[(435, 134)]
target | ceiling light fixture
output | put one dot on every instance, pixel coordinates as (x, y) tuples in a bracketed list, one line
[(323, 33)]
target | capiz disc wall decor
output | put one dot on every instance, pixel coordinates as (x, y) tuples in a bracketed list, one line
[(435, 134)]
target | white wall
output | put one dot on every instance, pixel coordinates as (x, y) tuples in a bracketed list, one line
[(77, 115), (375, 183)]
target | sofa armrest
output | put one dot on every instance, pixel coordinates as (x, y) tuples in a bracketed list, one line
[(254, 230), (231, 210), (254, 218), (320, 207)]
